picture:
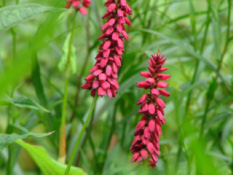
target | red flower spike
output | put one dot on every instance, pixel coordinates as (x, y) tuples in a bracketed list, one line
[(79, 5), (146, 143), (142, 99), (108, 59), (145, 74), (144, 153), (164, 93)]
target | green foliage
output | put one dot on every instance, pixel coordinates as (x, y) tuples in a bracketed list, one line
[(195, 37), (6, 139), (47, 165), (13, 15), (63, 63), (25, 102), (211, 90)]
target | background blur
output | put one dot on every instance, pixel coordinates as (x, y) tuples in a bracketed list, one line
[(196, 38)]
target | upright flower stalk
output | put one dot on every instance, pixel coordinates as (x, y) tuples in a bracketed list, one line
[(79, 5), (62, 139), (103, 76), (145, 145), (76, 146)]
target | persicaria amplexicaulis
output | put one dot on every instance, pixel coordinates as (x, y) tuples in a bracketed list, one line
[(145, 145), (104, 74), (79, 5)]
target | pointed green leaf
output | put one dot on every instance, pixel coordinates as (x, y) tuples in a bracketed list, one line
[(48, 165), (63, 63), (13, 15), (211, 90), (26, 102), (23, 102), (6, 139)]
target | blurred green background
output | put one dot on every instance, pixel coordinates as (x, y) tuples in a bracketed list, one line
[(194, 35)]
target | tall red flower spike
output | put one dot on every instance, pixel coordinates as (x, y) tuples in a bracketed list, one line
[(104, 74), (145, 145), (79, 5)]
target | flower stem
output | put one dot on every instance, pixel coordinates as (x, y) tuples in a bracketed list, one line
[(80, 136), (218, 69), (62, 140), (76, 99), (204, 118), (227, 40), (195, 77)]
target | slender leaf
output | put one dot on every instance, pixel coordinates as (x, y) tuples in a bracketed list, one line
[(63, 63), (48, 165), (26, 102), (36, 80), (13, 15), (6, 139)]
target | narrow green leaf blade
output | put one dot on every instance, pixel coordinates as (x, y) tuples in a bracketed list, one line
[(13, 15), (47, 165), (26, 102), (37, 83), (211, 90), (6, 139), (63, 63)]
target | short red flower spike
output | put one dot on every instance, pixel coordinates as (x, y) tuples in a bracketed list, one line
[(104, 74), (79, 5), (145, 145)]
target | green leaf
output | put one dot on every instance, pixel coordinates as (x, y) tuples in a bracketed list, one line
[(37, 83), (63, 63), (211, 90), (23, 102), (48, 165), (185, 46), (12, 73), (6, 139), (13, 15), (26, 102)]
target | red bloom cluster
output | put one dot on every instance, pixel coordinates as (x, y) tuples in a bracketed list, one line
[(146, 142), (104, 74), (78, 5)]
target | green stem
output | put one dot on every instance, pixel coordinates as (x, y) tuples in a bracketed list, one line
[(87, 136), (76, 99), (97, 14), (10, 121), (80, 136), (204, 118), (219, 67), (108, 141), (62, 141), (10, 162), (9, 131), (13, 32), (231, 165), (227, 39), (197, 63)]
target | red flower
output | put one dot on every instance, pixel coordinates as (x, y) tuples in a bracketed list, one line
[(78, 5), (103, 77), (145, 145)]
